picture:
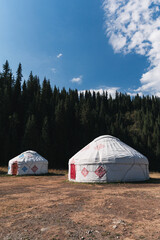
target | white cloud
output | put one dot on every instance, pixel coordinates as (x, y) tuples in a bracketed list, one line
[(133, 94), (117, 45), (110, 90), (134, 26), (59, 55), (77, 80)]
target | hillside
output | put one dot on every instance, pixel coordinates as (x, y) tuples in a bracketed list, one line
[(57, 123)]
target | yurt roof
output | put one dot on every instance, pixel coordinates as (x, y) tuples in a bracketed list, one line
[(108, 149), (29, 156)]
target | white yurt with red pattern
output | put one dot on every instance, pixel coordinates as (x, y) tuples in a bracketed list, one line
[(28, 163), (107, 159)]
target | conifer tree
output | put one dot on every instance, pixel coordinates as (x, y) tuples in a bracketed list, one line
[(59, 123), (31, 136), (45, 139)]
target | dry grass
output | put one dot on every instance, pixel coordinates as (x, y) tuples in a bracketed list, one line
[(49, 207), (4, 170), (154, 175)]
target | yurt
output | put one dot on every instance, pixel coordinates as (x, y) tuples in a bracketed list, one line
[(28, 163), (107, 159)]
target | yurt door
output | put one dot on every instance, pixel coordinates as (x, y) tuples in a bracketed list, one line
[(14, 168), (73, 171)]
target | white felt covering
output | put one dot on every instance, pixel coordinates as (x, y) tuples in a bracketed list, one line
[(29, 162), (115, 160)]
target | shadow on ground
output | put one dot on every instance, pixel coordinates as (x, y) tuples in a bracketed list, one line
[(149, 181), (53, 174), (153, 180), (3, 172)]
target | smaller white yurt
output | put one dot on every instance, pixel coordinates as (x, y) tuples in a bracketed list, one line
[(107, 159), (28, 163)]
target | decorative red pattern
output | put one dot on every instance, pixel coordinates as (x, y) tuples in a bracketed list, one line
[(34, 168), (73, 171), (72, 161), (100, 172), (84, 172), (14, 168), (100, 146)]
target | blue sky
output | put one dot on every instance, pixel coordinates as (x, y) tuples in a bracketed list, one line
[(80, 43)]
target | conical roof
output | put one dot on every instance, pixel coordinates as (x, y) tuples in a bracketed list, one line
[(108, 149), (29, 156)]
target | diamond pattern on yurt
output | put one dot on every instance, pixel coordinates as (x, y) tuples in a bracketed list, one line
[(100, 171), (84, 172), (34, 168), (24, 169), (28, 162)]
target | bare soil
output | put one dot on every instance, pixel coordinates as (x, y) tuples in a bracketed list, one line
[(49, 207)]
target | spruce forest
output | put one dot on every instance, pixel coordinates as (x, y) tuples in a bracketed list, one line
[(58, 123)]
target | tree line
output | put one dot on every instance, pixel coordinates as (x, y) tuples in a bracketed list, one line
[(57, 123)]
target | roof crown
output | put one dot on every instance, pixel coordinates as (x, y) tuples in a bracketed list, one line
[(108, 149), (29, 156)]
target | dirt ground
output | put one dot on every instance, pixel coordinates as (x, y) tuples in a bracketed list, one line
[(49, 207)]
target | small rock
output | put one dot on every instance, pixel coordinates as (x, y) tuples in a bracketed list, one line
[(117, 221), (44, 229), (114, 226)]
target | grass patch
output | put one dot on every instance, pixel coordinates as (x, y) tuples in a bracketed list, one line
[(51, 172), (154, 177), (3, 170)]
